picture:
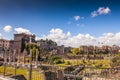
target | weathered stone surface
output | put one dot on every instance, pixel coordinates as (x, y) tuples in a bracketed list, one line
[(50, 75), (1, 63), (30, 57), (14, 55), (60, 75), (36, 62), (19, 77), (24, 56)]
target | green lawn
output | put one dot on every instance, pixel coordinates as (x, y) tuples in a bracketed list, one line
[(36, 75), (92, 63)]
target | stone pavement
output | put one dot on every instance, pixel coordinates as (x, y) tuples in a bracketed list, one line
[(97, 78), (5, 78)]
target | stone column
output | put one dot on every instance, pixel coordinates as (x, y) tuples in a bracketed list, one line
[(60, 75), (36, 62), (19, 56), (10, 54), (24, 54), (14, 55), (5, 56), (62, 49), (30, 56)]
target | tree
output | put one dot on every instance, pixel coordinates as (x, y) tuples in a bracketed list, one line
[(115, 61), (30, 46), (103, 51), (57, 60), (90, 52), (33, 47), (33, 52), (81, 51), (75, 51)]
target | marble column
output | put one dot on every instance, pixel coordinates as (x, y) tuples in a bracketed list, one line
[(19, 56), (10, 56), (24, 54), (30, 56), (5, 56), (36, 62), (14, 56)]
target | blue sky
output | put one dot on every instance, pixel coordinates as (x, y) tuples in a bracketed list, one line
[(94, 17)]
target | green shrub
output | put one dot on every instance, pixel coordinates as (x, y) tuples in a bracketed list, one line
[(56, 58), (68, 63), (115, 61), (58, 61)]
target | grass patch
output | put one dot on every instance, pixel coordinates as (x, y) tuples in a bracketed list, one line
[(36, 75), (92, 63)]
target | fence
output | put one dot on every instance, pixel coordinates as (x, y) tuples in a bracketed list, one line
[(21, 72), (43, 72)]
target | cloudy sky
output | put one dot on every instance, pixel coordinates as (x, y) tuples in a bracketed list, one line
[(69, 22)]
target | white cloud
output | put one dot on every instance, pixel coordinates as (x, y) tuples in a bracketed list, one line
[(108, 34), (22, 30), (67, 39), (1, 36), (76, 18), (7, 28), (94, 14), (101, 11)]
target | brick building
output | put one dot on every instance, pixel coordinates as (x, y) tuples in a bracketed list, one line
[(49, 45), (20, 40), (4, 44)]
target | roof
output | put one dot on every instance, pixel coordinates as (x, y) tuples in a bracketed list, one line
[(4, 40)]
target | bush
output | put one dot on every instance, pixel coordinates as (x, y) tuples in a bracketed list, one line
[(68, 63), (115, 61), (99, 66), (69, 69), (58, 61), (44, 67), (56, 58)]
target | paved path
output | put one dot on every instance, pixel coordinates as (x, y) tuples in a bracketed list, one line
[(6, 78)]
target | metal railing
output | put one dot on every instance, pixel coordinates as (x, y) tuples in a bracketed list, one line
[(43, 72), (26, 71)]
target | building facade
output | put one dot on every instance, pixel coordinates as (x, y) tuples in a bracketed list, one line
[(4, 44), (20, 41)]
